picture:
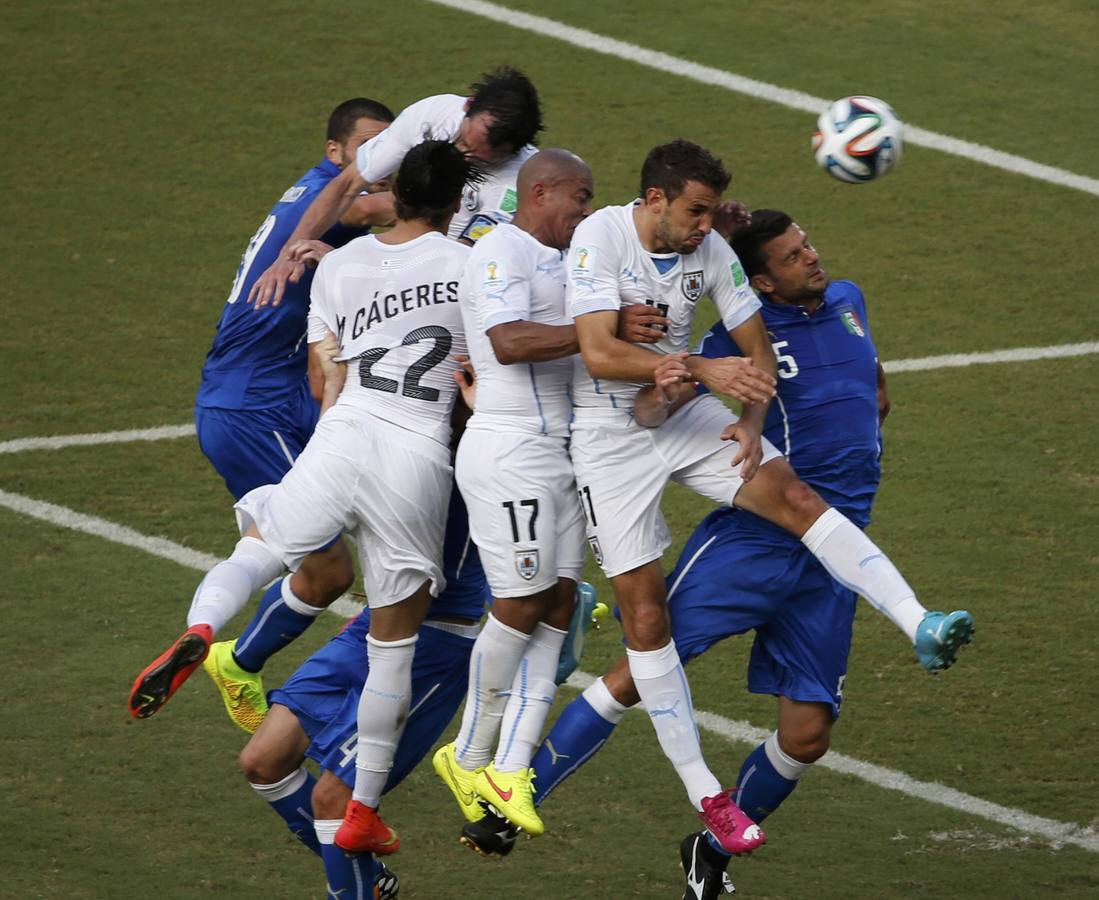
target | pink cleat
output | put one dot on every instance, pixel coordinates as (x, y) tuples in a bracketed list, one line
[(736, 833)]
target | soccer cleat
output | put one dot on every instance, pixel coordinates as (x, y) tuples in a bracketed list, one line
[(511, 794), (386, 884), (460, 781), (938, 637), (589, 613), (704, 869), (163, 676), (492, 835), (729, 825), (241, 691), (363, 831)]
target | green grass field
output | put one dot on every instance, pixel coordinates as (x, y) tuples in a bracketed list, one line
[(144, 143)]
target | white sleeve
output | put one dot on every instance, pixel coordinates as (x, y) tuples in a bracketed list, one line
[(499, 283), (320, 320), (432, 117), (728, 286), (593, 266)]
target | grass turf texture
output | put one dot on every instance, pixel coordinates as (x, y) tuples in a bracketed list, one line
[(177, 127)]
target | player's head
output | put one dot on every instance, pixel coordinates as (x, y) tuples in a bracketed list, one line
[(429, 183), (779, 259), (503, 115), (555, 191), (681, 186), (352, 123)]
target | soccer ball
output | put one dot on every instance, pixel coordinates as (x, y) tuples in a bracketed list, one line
[(858, 139)]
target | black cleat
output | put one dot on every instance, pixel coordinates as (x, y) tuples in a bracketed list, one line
[(386, 885), (704, 868), (491, 835)]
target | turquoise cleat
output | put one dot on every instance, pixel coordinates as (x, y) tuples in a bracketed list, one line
[(589, 613), (938, 637)]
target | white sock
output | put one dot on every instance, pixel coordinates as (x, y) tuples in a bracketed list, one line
[(281, 789), (492, 667), (326, 830), (532, 693), (294, 602), (602, 701), (789, 768), (856, 562), (662, 685), (383, 709), (229, 584)]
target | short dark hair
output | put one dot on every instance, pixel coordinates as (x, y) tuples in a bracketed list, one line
[(748, 243), (430, 181), (512, 101), (670, 166), (342, 121)]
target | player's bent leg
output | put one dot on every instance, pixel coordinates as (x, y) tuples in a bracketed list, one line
[(159, 680), (241, 691), (939, 637)]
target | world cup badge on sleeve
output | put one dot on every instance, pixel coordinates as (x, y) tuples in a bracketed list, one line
[(526, 564), (693, 285)]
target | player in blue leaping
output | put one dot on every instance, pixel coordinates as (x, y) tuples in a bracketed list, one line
[(739, 572)]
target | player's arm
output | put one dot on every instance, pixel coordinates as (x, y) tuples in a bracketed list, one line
[(670, 390), (751, 337), (324, 212), (333, 374), (370, 210), (883, 395), (523, 341), (608, 356)]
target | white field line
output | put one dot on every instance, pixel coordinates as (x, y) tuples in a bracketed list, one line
[(1058, 832), (895, 366), (759, 90)]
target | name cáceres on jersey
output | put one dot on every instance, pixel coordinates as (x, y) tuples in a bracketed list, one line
[(390, 305)]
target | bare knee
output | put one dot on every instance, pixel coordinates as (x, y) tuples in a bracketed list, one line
[(806, 743), (649, 626), (330, 796), (324, 576), (260, 766), (804, 505)]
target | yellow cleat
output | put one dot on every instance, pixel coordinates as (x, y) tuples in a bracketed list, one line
[(241, 691), (511, 794), (460, 781)]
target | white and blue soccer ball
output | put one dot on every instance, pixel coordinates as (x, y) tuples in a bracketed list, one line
[(858, 139)]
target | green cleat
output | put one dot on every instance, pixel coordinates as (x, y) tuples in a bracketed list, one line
[(241, 691), (511, 794), (938, 637), (462, 783)]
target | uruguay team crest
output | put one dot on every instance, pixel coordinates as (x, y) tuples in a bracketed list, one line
[(526, 563), (596, 550), (693, 285), (851, 323)]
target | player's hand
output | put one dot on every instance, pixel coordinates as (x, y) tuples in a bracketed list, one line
[(271, 285), (736, 377), (327, 351), (641, 324), (466, 380), (657, 401), (730, 217), (669, 374), (750, 452), (309, 252)]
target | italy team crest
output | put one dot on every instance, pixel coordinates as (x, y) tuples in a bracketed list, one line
[(851, 323), (693, 285), (526, 563)]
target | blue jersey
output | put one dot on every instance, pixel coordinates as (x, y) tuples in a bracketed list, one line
[(259, 357), (825, 416)]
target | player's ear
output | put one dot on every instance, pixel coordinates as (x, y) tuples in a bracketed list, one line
[(761, 284), (333, 152), (654, 197)]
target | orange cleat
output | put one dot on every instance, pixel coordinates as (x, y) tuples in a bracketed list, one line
[(163, 676), (363, 831)]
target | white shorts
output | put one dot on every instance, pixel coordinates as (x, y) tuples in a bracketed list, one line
[(388, 486), (523, 511), (622, 468)]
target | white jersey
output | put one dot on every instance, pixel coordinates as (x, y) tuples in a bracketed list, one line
[(608, 268), (440, 118), (512, 277), (394, 308)]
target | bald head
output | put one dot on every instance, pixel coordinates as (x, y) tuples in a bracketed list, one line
[(555, 191)]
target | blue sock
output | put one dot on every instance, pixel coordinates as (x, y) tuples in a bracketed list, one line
[(761, 788), (350, 876), (292, 800), (576, 736), (278, 621)]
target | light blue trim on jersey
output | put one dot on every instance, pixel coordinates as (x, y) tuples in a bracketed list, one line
[(785, 425), (664, 264), (595, 304), (537, 399), (524, 665)]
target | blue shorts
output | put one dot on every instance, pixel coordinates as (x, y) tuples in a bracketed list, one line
[(737, 573), (324, 695), (467, 591), (253, 447)]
